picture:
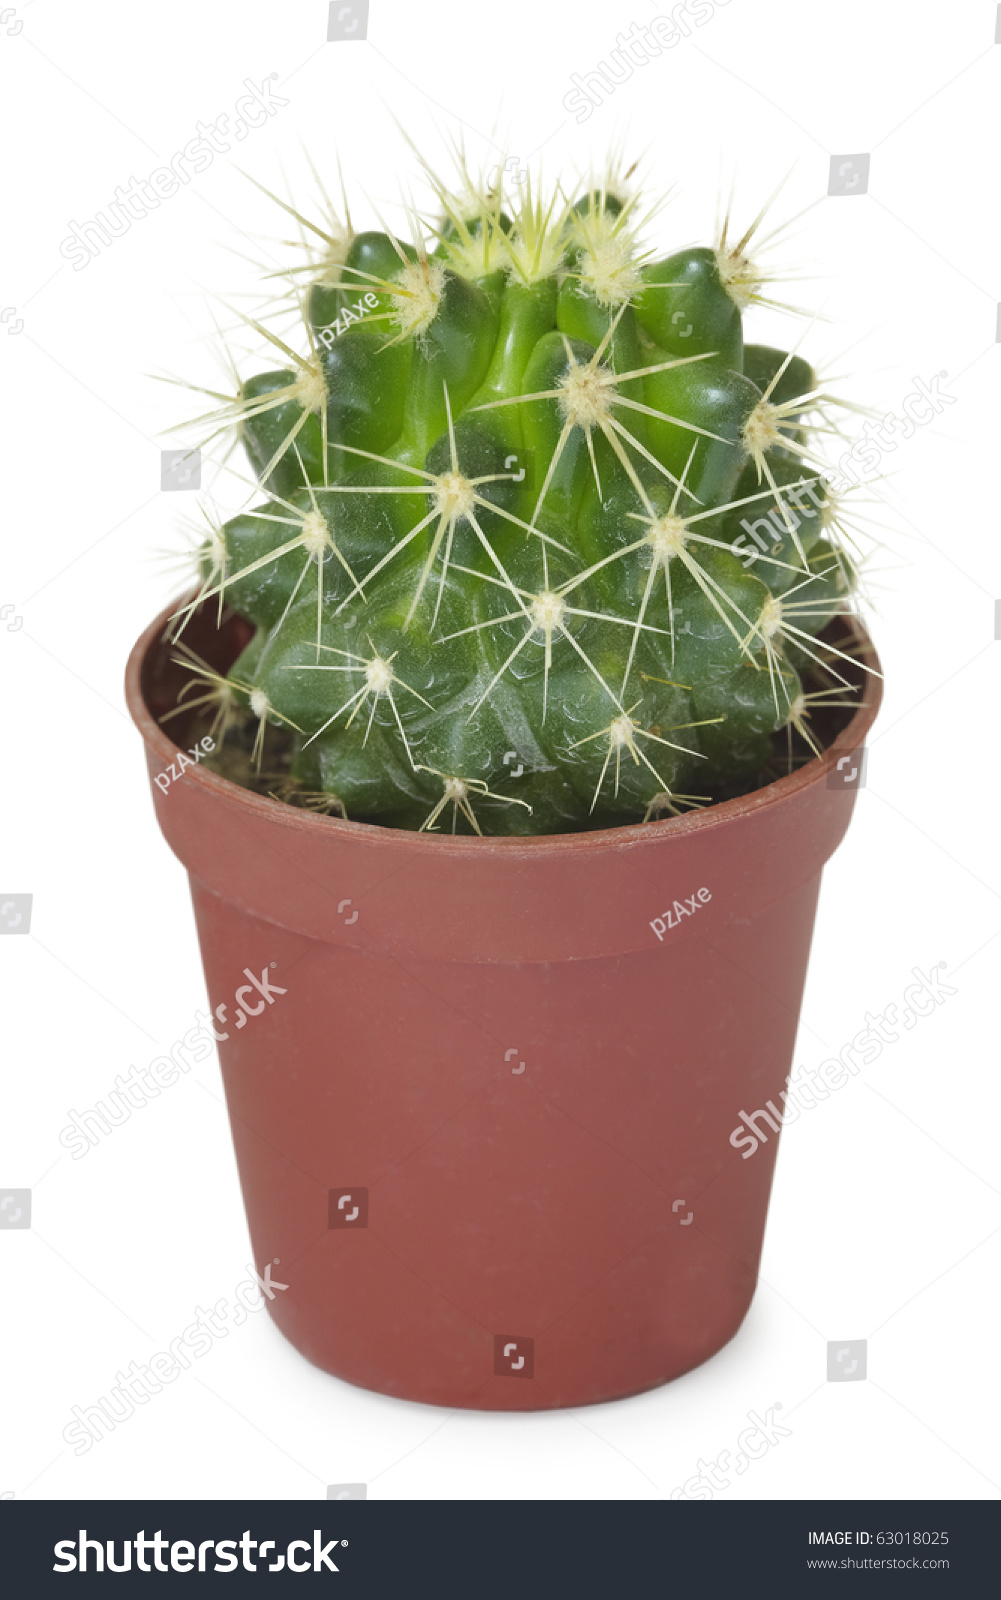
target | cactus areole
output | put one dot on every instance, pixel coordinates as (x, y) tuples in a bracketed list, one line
[(515, 720)]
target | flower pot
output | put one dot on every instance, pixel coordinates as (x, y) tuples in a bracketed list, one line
[(482, 1091)]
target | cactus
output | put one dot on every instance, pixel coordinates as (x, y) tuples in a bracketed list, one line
[(540, 543)]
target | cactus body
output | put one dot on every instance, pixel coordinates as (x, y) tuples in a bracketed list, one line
[(542, 544)]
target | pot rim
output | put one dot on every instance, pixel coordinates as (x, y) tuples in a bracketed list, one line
[(851, 737)]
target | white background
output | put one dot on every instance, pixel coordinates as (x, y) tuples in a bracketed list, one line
[(886, 1210)]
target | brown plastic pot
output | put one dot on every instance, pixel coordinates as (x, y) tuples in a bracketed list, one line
[(484, 1128)]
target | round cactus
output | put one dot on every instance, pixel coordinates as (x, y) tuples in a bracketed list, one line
[(541, 543)]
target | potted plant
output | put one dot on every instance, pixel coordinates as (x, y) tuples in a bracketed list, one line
[(505, 738)]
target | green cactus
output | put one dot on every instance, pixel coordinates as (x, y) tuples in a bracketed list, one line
[(541, 543)]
